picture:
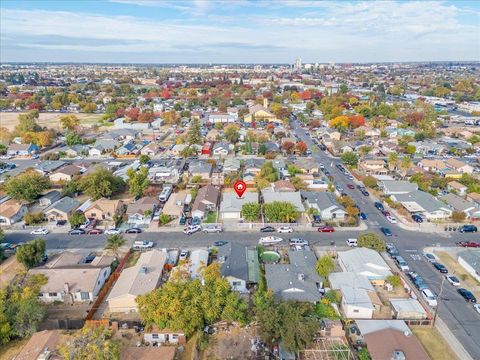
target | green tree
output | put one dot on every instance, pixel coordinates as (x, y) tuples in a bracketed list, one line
[(101, 183), (77, 219), (370, 181), (280, 211), (69, 122), (164, 219), (144, 159), (363, 354), (138, 181), (392, 159), (115, 242), (350, 158), (458, 216), (72, 139), (28, 122), (27, 186), (187, 152), (298, 183), (194, 135), (325, 265), (250, 211), (31, 253), (371, 241), (71, 188), (231, 133), (394, 280), (33, 218), (91, 342)]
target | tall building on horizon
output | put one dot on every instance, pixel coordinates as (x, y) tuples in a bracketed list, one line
[(298, 64)]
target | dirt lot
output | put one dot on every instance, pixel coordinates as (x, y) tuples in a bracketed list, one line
[(50, 120), (8, 269), (453, 266), (433, 343), (234, 343)]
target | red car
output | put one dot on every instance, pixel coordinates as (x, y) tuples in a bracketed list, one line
[(326, 229), (350, 186), (95, 232), (385, 213), (470, 244)]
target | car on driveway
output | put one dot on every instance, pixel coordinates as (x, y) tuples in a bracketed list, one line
[(192, 229), (40, 231), (76, 232), (468, 228), (350, 186), (133, 231), (95, 232), (468, 244), (183, 255), (267, 229), (452, 279), (113, 231), (430, 257), (325, 229), (386, 231), (417, 218), (467, 295), (379, 206), (285, 229), (220, 243), (440, 267), (208, 229)]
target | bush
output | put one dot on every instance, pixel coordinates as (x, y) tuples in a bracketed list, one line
[(164, 219), (33, 218), (394, 280), (31, 253), (458, 216), (77, 219), (370, 181), (371, 241)]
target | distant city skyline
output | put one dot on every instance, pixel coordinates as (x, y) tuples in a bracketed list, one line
[(235, 32)]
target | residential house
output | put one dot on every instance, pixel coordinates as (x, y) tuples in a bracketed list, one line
[(104, 209), (22, 149), (49, 198), (457, 187), (231, 205), (121, 134), (460, 204), (222, 118), (41, 346), (164, 336), (47, 167), (222, 149), (470, 261), (231, 165), (129, 149), (198, 261), (141, 212), (281, 186), (296, 281), (432, 165), (390, 339), (11, 212), (77, 150), (366, 262), (291, 197), (140, 279), (200, 168), (239, 265), (213, 135), (175, 204), (253, 165), (61, 209), (150, 150), (422, 202), (395, 187), (408, 308), (459, 166), (307, 165), (67, 173), (474, 197), (218, 177), (259, 113), (103, 146), (206, 201), (207, 148), (71, 279), (373, 167), (168, 172), (325, 203)]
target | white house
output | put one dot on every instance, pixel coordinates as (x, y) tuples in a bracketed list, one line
[(11, 212), (231, 205), (325, 203)]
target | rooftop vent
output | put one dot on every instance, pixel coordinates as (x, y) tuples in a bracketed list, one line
[(301, 277), (398, 355), (143, 270)]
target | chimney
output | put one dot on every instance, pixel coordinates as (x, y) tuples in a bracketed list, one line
[(265, 103)]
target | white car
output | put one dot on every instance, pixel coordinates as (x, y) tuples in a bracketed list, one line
[(192, 229), (269, 240), (452, 279), (285, 229), (477, 307), (212, 229), (392, 219), (40, 231), (430, 257), (183, 255), (429, 297), (113, 231)]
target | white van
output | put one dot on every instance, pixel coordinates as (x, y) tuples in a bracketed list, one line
[(429, 297), (142, 245), (352, 242), (165, 194)]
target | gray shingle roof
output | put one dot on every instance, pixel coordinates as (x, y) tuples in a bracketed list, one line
[(471, 257), (428, 202), (231, 203), (236, 262), (65, 204)]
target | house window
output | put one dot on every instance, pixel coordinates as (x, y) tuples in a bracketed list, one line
[(84, 295), (93, 215), (105, 273), (154, 336), (52, 294), (236, 283), (174, 336)]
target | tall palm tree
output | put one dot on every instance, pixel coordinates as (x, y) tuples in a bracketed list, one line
[(392, 160), (405, 163), (115, 242)]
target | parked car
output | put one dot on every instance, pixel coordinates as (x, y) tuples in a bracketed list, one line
[(267, 229), (61, 222), (182, 221), (183, 255), (76, 232), (417, 218), (350, 186), (430, 257), (452, 279), (212, 229), (386, 231), (339, 188), (440, 267), (379, 206), (40, 231), (391, 250), (326, 229), (468, 244), (363, 216), (192, 229), (386, 213), (196, 221), (133, 231), (417, 280), (299, 242), (392, 219), (142, 245), (113, 231), (285, 229), (429, 297), (95, 232), (220, 243), (467, 228), (365, 193), (352, 242), (467, 295), (317, 220), (269, 240), (402, 264)]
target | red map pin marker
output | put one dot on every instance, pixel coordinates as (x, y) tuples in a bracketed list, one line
[(240, 187)]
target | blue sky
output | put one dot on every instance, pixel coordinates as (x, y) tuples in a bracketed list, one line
[(239, 31)]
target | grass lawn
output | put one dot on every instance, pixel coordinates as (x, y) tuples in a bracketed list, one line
[(48, 119), (433, 343), (11, 349), (453, 266), (132, 260), (211, 218)]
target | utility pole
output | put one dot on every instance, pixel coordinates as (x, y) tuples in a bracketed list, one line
[(438, 302)]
